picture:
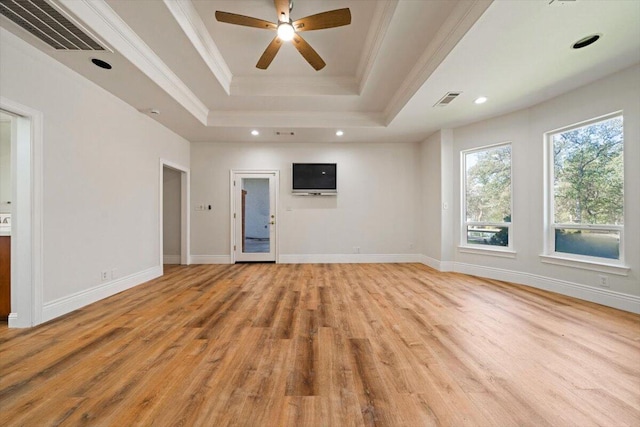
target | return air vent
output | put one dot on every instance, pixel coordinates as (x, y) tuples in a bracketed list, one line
[(446, 100), (43, 21)]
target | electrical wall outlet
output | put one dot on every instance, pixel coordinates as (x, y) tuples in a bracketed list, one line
[(356, 249), (603, 281), (104, 275)]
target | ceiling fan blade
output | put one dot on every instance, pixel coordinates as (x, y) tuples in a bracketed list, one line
[(247, 21), (269, 53), (330, 19), (308, 53), (282, 7)]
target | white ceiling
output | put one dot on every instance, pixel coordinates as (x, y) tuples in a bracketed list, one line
[(384, 72)]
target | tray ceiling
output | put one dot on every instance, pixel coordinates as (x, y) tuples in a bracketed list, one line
[(384, 72)]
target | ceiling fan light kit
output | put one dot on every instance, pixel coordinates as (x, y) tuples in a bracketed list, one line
[(287, 30)]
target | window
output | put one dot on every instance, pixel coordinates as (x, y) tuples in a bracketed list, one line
[(487, 197), (587, 190)]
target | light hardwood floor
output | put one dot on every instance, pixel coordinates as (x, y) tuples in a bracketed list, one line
[(325, 345)]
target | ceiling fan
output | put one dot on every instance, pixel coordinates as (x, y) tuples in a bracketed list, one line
[(288, 30)]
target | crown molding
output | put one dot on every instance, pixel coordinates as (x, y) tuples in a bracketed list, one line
[(294, 119), (185, 13), (107, 24), (377, 31), (293, 86), (463, 17)]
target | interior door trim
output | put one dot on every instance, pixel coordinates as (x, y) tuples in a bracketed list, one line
[(232, 195), (185, 214)]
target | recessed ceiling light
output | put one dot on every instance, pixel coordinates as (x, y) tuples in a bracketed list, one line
[(480, 100), (586, 41), (100, 63), (339, 133), (255, 132)]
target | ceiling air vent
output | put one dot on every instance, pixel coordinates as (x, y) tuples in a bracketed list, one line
[(43, 21), (446, 100), (284, 133)]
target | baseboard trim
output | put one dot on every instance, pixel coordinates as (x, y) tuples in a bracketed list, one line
[(210, 259), (447, 266), (67, 304), (435, 263), (15, 322), (349, 258), (171, 259), (606, 297)]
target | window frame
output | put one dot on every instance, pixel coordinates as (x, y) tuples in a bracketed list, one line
[(550, 255), (501, 251)]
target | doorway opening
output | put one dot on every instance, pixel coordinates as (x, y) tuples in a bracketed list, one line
[(254, 225), (24, 227), (174, 214), (8, 128), (171, 216)]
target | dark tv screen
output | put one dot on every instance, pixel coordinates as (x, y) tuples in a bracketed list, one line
[(314, 177)]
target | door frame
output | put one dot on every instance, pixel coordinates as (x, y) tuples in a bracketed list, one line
[(26, 217), (185, 219), (232, 201)]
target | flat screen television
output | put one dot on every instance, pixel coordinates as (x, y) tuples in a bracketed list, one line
[(314, 178)]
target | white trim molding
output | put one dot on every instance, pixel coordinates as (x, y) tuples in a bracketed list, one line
[(293, 86), (293, 119), (107, 24), (27, 192), (186, 15), (455, 26), (606, 297), (210, 259), (443, 266), (171, 259), (602, 267), (191, 23), (349, 258), (185, 212), (487, 250), (274, 195), (67, 304), (377, 31)]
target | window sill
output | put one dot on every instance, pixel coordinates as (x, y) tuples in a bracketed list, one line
[(602, 267), (502, 253)]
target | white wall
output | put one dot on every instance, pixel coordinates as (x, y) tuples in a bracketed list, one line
[(431, 198), (525, 130), (437, 200), (447, 198), (377, 207), (171, 207), (101, 178)]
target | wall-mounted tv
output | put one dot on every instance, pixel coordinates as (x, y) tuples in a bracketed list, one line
[(314, 178)]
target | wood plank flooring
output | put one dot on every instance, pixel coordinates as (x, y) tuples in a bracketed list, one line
[(325, 345)]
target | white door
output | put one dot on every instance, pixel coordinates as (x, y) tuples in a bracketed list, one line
[(254, 218)]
